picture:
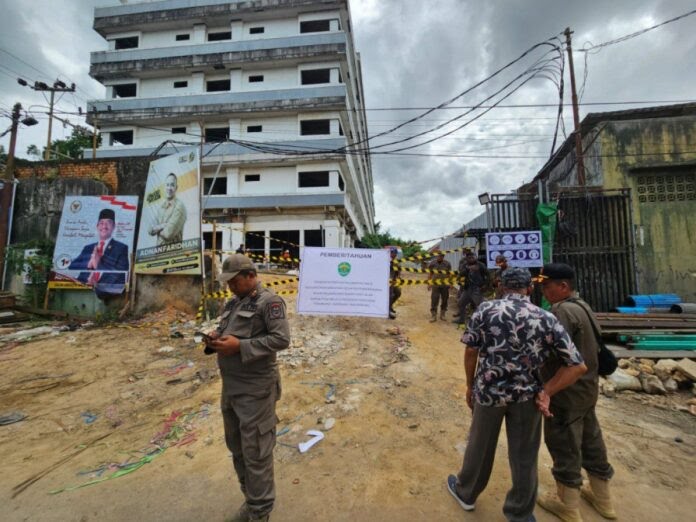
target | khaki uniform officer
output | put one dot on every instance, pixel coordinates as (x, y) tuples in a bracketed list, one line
[(253, 327), (439, 292)]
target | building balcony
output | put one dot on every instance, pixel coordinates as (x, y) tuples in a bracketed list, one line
[(168, 14), (274, 201), (122, 111), (162, 61), (231, 153)]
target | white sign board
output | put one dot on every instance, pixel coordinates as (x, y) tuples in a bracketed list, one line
[(521, 248), (343, 281)]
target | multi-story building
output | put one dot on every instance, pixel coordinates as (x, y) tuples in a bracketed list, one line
[(252, 81)]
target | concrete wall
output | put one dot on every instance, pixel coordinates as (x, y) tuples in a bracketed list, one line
[(665, 230)]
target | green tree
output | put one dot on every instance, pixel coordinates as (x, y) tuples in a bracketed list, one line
[(80, 138), (33, 150), (381, 239)]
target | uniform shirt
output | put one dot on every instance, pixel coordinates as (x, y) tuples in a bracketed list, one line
[(476, 275), (514, 339), (583, 394), (259, 321), (445, 265)]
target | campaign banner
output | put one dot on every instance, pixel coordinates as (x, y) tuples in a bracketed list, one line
[(169, 238), (521, 248), (342, 281), (94, 244)]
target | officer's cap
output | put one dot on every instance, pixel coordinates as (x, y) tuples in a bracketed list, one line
[(516, 278), (233, 265), (556, 271)]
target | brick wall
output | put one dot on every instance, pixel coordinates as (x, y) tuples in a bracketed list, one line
[(104, 171)]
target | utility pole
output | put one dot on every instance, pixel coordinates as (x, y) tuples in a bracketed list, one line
[(7, 189), (576, 114), (57, 86)]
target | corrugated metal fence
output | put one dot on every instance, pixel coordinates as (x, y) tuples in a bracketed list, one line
[(594, 235)]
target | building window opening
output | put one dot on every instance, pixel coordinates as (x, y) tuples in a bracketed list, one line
[(252, 177), (217, 85), (126, 90), (256, 78), (183, 37), (316, 76), (208, 240), (254, 242), (178, 130), (283, 239), (217, 134), (215, 186), (257, 30), (341, 183), (254, 128), (315, 26), (130, 42), (315, 127), (314, 238), (219, 36), (313, 179), (181, 84), (121, 138)]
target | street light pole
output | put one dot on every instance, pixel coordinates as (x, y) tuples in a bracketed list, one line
[(8, 183)]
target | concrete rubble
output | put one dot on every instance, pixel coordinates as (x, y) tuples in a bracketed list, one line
[(662, 377)]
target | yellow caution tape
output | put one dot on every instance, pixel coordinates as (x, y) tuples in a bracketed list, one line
[(428, 271), (434, 282)]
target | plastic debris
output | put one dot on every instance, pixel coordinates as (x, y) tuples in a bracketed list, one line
[(88, 417), (11, 418), (316, 437)]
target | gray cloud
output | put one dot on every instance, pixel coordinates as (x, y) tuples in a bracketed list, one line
[(416, 54)]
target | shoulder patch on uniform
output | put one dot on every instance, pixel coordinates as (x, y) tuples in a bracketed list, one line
[(275, 311)]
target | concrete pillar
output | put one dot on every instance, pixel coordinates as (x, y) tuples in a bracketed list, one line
[(199, 33), (237, 28), (233, 184), (197, 82), (333, 127), (235, 80), (267, 243), (334, 25), (236, 235), (334, 76), (235, 127), (331, 233)]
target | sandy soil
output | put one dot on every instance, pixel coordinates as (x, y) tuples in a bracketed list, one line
[(397, 399)]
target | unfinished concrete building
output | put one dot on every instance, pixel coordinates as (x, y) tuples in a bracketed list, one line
[(253, 82)]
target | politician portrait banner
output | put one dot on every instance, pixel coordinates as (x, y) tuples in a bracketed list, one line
[(94, 244), (169, 238)]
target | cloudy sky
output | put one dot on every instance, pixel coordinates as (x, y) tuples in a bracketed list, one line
[(417, 54)]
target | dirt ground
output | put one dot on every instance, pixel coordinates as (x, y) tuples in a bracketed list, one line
[(97, 400)]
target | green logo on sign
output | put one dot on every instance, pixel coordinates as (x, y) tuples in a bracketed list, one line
[(343, 269)]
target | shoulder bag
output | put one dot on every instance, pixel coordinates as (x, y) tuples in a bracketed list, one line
[(606, 360)]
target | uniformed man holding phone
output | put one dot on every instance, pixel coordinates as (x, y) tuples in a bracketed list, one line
[(253, 327)]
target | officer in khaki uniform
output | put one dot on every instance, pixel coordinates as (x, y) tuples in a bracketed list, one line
[(439, 292), (573, 435), (253, 327)]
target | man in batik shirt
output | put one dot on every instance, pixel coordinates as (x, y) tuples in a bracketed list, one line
[(507, 342)]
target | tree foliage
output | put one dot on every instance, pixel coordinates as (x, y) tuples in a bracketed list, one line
[(381, 239), (80, 138)]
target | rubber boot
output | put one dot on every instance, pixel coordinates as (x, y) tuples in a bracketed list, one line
[(599, 497), (433, 317), (442, 316), (242, 514), (565, 504)]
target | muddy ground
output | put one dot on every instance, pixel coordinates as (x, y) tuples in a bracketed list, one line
[(98, 401)]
